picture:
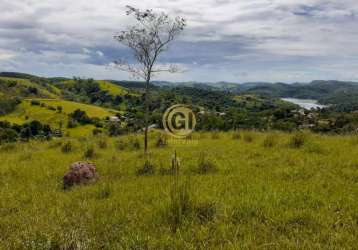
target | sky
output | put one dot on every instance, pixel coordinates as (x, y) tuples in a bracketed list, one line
[(225, 40)]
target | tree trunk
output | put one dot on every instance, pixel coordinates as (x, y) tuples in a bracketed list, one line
[(146, 115)]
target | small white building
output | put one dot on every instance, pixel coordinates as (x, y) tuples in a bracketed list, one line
[(114, 119)]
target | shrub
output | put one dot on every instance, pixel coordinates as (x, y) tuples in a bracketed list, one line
[(96, 131), (72, 123), (248, 137), (35, 103), (80, 117), (205, 211), (102, 143), (297, 140), (67, 147), (133, 143), (147, 169), (59, 109), (8, 135), (205, 165), (8, 105), (115, 129), (89, 152)]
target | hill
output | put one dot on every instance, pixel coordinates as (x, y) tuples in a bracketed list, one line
[(46, 111), (340, 95), (24, 88)]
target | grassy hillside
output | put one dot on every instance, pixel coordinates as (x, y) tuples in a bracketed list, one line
[(45, 113), (252, 191), (112, 88), (18, 87)]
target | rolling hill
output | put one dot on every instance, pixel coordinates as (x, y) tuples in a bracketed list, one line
[(47, 113), (45, 100), (24, 88)]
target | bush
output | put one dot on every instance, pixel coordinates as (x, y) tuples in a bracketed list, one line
[(96, 131), (205, 165), (297, 140), (147, 169), (115, 129), (72, 123), (8, 135), (80, 117), (59, 109), (102, 143), (205, 211), (35, 103), (248, 137), (8, 105), (67, 147), (133, 143), (89, 152)]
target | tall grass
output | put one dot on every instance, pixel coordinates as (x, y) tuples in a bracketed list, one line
[(259, 197)]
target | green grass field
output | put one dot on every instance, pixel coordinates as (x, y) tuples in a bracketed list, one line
[(113, 89), (260, 191), (50, 92), (26, 112)]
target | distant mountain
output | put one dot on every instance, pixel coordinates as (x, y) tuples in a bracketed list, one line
[(342, 95)]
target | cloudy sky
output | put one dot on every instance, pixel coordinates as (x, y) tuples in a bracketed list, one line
[(225, 40)]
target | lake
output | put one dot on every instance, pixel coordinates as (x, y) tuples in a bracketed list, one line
[(305, 103)]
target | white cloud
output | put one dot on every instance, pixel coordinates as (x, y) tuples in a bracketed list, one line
[(6, 55), (267, 39), (99, 53)]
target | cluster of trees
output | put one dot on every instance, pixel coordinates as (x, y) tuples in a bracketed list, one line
[(12, 88), (218, 110), (80, 117), (13, 132), (7, 105), (89, 91)]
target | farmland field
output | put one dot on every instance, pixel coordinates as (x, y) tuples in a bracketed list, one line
[(246, 190)]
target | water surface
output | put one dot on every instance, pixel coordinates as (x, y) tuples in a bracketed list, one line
[(305, 103)]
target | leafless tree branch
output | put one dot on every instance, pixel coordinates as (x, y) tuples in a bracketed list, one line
[(147, 40)]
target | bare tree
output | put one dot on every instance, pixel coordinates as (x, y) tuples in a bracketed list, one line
[(149, 38)]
